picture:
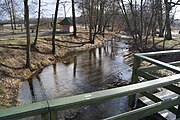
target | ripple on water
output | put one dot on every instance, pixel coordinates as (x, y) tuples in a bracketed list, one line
[(87, 72)]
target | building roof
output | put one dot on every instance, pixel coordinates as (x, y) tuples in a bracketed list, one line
[(66, 21)]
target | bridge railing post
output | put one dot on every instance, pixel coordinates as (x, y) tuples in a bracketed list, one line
[(53, 115), (178, 115), (44, 116), (134, 79)]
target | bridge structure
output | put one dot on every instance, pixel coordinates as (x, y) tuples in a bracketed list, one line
[(144, 80)]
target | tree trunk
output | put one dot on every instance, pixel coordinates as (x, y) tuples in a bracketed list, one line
[(141, 26), (37, 27), (113, 17), (10, 13), (101, 15), (13, 14), (128, 22), (84, 16), (26, 10), (74, 19), (160, 19), (91, 3), (54, 28), (11, 19), (168, 35)]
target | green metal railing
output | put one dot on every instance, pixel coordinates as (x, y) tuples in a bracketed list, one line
[(48, 109)]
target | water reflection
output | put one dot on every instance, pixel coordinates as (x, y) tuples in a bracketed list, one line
[(87, 72), (75, 66)]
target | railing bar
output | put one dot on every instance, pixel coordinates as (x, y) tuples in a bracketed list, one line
[(156, 99), (173, 88), (149, 76), (155, 67), (24, 111), (159, 53), (54, 115), (101, 96), (159, 63), (134, 79), (147, 110), (44, 116), (90, 98), (178, 114), (146, 75)]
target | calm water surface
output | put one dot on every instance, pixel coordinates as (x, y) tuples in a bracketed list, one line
[(82, 73)]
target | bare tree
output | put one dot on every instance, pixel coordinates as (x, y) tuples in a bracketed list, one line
[(168, 7), (160, 18), (91, 8), (98, 14), (74, 19), (101, 16), (140, 18), (84, 14), (37, 26), (13, 13), (26, 14), (168, 35), (54, 28), (64, 4), (7, 7), (110, 13)]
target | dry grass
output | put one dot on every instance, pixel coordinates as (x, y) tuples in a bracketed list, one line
[(169, 44), (13, 58)]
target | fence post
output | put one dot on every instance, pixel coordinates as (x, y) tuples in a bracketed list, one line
[(178, 115), (134, 79), (53, 115), (44, 116)]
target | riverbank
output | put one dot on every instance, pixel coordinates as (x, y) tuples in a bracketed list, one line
[(13, 56)]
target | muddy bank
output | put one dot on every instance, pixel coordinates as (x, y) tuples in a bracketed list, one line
[(12, 70)]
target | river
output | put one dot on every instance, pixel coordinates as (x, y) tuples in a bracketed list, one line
[(84, 72)]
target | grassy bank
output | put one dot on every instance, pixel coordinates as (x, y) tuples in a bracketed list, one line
[(13, 57)]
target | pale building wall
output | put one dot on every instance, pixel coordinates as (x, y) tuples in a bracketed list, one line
[(71, 29), (66, 28)]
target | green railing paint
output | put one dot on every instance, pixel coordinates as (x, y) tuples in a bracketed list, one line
[(48, 109), (145, 72), (155, 67), (159, 53), (24, 111), (147, 110), (159, 63)]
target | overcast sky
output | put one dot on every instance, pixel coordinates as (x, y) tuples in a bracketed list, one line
[(177, 15), (50, 8)]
